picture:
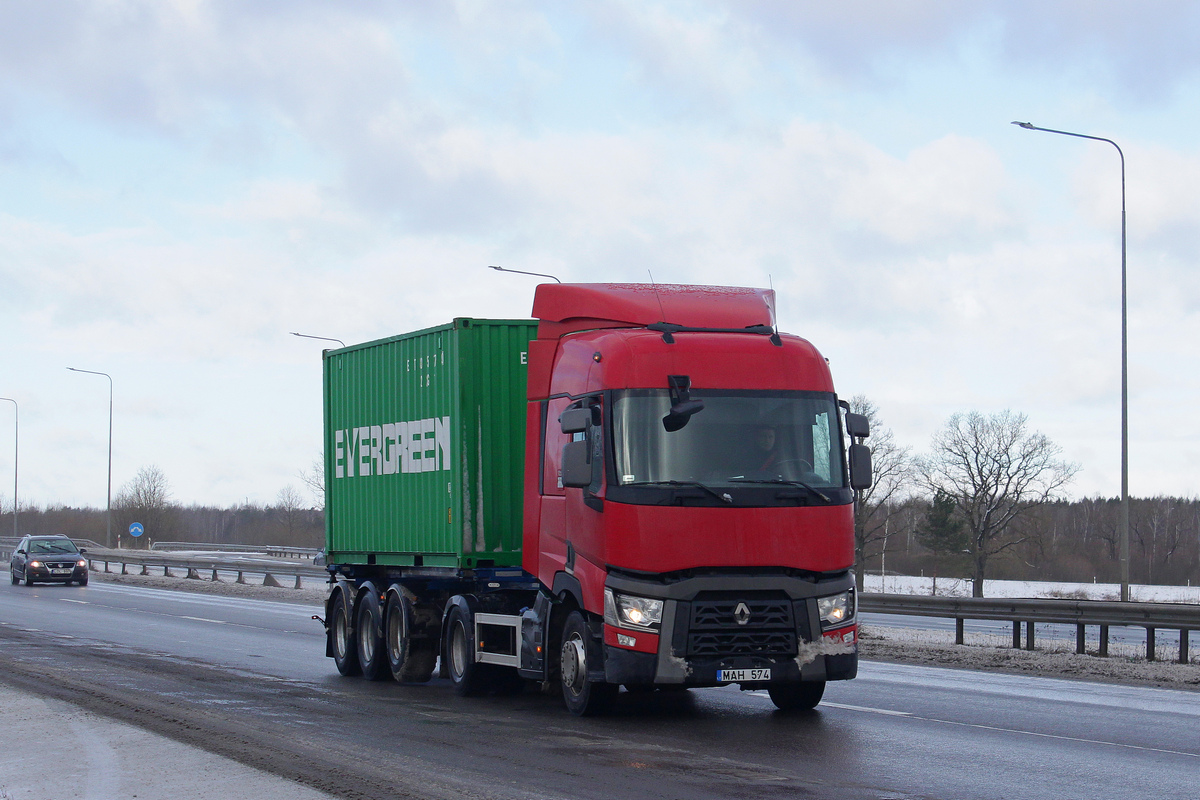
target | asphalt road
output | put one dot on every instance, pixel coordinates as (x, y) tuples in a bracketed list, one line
[(248, 680)]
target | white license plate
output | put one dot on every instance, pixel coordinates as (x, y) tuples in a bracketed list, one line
[(742, 675), (61, 571)]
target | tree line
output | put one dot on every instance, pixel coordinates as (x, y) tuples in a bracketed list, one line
[(988, 501), (147, 499)]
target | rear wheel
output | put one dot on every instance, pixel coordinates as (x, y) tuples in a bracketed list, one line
[(345, 647), (372, 656), (797, 696), (579, 653), (411, 660), (468, 676)]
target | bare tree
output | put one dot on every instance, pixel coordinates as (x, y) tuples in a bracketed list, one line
[(314, 479), (874, 506), (996, 471), (147, 499), (289, 506)]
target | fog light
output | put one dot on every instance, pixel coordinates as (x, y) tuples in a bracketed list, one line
[(626, 641)]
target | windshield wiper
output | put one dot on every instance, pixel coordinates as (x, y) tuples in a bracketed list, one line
[(722, 496), (786, 482)]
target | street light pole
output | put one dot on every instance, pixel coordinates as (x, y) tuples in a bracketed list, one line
[(16, 451), (108, 508), (1124, 362), (322, 338)]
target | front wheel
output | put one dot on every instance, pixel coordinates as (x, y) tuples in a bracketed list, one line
[(15, 579), (582, 696), (345, 646), (28, 578), (797, 696)]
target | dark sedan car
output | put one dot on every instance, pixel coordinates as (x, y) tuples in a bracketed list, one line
[(51, 559)]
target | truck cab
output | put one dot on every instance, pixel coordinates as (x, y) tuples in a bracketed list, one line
[(687, 493)]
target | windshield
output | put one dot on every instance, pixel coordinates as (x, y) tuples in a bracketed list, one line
[(52, 546), (738, 438)]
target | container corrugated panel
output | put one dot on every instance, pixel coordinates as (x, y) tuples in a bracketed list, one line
[(424, 443)]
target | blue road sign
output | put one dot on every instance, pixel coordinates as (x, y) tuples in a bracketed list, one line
[(136, 529)]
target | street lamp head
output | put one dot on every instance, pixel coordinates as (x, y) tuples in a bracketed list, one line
[(1026, 125)]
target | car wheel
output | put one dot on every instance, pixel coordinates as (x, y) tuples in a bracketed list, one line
[(15, 579), (83, 581), (28, 578)]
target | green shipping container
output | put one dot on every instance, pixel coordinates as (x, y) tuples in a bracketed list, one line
[(424, 446)]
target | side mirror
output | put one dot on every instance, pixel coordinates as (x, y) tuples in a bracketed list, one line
[(83, 549), (22, 553), (575, 420), (576, 469), (857, 425), (860, 467)]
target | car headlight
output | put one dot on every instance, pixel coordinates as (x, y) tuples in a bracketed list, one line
[(81, 563), (836, 609), (35, 564), (630, 611)]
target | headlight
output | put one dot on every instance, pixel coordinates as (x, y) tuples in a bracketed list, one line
[(35, 564), (81, 563), (629, 611), (836, 609)]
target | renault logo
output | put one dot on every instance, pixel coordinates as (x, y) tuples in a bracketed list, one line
[(741, 614)]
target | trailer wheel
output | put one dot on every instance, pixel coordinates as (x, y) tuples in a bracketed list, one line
[(372, 657), (411, 660), (797, 696), (582, 696), (345, 648), (468, 676)]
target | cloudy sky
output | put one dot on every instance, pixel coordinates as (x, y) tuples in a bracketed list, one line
[(183, 183)]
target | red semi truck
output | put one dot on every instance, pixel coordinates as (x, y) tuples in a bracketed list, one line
[(648, 487)]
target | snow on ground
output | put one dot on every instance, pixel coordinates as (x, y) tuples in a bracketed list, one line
[(960, 587)]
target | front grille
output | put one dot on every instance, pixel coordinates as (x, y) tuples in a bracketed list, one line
[(720, 644), (723, 613), (741, 625)]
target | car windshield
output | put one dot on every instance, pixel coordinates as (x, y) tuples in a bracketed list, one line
[(52, 546), (737, 438)]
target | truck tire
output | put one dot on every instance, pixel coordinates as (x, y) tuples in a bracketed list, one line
[(581, 695), (372, 654), (797, 696), (410, 660), (341, 634), (468, 676)]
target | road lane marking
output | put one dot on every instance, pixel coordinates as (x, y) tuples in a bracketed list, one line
[(204, 619), (999, 729), (885, 711), (81, 602)]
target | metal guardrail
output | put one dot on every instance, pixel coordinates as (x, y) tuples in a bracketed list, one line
[(146, 560), (1080, 613), (282, 551)]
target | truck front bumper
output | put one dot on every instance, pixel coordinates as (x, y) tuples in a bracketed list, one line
[(695, 642)]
